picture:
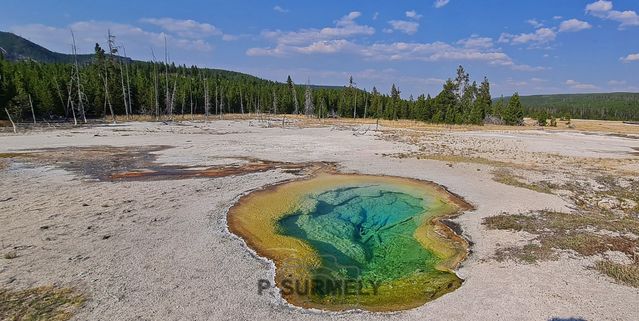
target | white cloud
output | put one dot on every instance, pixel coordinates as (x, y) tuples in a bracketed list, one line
[(535, 23), (599, 7), (578, 85), (476, 42), (540, 36), (630, 58), (326, 47), (573, 25), (136, 40), (184, 28), (413, 15), (557, 17), (407, 27), (350, 38), (604, 9), (440, 3), (375, 15), (398, 51), (617, 82), (345, 27), (280, 9), (227, 37)]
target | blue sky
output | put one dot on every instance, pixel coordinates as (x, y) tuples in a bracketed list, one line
[(530, 46)]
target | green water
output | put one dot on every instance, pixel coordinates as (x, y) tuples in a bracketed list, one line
[(364, 232)]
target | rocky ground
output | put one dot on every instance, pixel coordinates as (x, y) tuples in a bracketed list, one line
[(555, 231)]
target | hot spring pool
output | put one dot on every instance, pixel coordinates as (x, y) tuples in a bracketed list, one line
[(354, 241)]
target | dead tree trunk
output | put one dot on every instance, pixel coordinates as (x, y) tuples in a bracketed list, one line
[(70, 103), (274, 102), (77, 76), (166, 76), (221, 104), (365, 103), (124, 95), (191, 97), (206, 99), (173, 97), (241, 102), (107, 100), (183, 102), (128, 82), (217, 112), (32, 112), (155, 86), (11, 120)]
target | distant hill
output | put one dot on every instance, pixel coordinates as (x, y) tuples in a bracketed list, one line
[(16, 48), (607, 106)]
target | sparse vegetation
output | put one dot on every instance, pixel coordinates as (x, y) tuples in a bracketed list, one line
[(41, 303), (587, 234), (505, 176), (593, 229), (463, 159), (529, 253), (627, 274), (11, 255)]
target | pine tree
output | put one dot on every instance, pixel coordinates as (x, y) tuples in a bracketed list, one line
[(514, 113)]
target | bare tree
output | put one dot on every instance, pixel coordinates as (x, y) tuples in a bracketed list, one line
[(112, 50), (295, 99), (274, 102), (124, 94), (128, 81), (309, 107), (216, 102), (11, 120), (365, 103), (183, 101), (221, 104), (32, 112), (70, 102), (173, 98), (191, 96), (241, 102), (155, 87), (353, 88), (77, 78), (167, 99), (207, 103)]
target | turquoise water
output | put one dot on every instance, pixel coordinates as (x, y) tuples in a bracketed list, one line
[(363, 232)]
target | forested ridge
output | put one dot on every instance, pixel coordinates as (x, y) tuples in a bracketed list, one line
[(107, 85), (607, 106)]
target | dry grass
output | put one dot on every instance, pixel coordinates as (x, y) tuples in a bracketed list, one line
[(11, 255), (41, 303), (627, 274), (529, 253), (13, 155), (586, 234), (607, 126), (590, 230), (505, 176), (575, 124), (464, 159)]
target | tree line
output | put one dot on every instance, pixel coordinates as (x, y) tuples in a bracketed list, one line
[(605, 106), (111, 84)]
